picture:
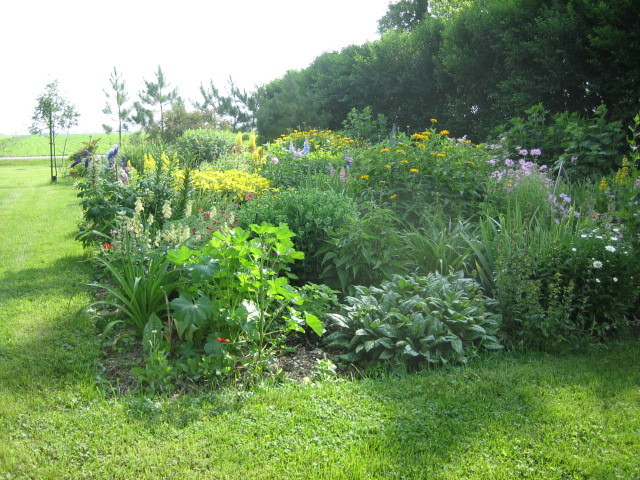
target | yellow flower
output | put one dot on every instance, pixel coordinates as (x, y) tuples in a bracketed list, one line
[(364, 177), (414, 170), (603, 185), (433, 120), (404, 161), (384, 150), (393, 196), (387, 166), (441, 154), (444, 132), (399, 150)]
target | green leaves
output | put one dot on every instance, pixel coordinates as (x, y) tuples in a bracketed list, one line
[(140, 289), (190, 314), (414, 320)]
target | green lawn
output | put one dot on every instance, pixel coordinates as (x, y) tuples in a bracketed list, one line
[(527, 416), (38, 145)]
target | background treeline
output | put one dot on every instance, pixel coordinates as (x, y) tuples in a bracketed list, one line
[(473, 65)]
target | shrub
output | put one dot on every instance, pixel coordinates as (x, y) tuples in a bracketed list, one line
[(365, 127), (557, 282), (235, 299), (407, 173), (578, 146), (365, 250), (604, 266), (288, 171), (310, 213), (414, 321), (204, 145)]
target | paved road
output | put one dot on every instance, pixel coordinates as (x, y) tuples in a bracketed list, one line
[(59, 157)]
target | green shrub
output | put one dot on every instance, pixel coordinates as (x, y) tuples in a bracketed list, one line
[(310, 213), (235, 300), (415, 320), (427, 168), (604, 266), (288, 171), (366, 127), (204, 145), (557, 282), (366, 250), (578, 146)]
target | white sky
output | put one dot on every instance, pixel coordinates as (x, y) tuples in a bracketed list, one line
[(79, 42)]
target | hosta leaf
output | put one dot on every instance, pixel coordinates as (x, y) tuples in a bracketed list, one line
[(456, 343), (386, 355), (338, 320), (369, 345)]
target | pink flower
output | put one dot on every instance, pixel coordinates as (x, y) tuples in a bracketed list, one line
[(536, 151), (249, 196)]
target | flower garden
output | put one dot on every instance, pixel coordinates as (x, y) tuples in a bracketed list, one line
[(421, 250)]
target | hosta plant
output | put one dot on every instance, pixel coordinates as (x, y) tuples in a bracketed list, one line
[(415, 320)]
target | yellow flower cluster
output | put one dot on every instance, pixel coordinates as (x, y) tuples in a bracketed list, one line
[(234, 183), (604, 186), (623, 175), (149, 164), (323, 140), (421, 136)]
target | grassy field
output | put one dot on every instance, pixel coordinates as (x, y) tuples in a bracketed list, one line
[(38, 145), (525, 416)]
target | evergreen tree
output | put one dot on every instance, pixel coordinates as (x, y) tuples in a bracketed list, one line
[(157, 98), (116, 105)]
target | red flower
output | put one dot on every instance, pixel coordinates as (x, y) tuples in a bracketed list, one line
[(108, 246), (222, 340), (201, 209), (209, 228)]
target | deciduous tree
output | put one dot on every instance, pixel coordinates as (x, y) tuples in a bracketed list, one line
[(52, 112)]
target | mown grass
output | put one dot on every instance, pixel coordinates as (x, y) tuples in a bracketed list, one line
[(530, 416), (38, 145)]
